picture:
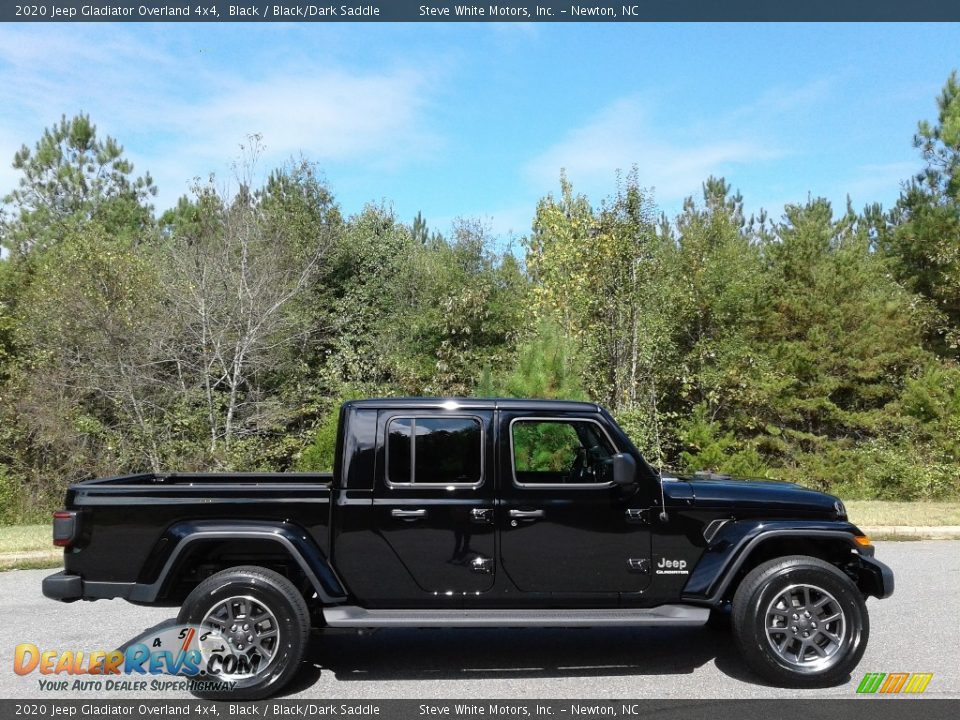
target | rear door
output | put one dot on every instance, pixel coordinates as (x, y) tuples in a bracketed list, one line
[(565, 527), (434, 497)]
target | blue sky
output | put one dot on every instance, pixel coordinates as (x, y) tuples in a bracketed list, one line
[(477, 120)]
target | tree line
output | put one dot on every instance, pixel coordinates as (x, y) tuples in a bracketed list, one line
[(223, 333)]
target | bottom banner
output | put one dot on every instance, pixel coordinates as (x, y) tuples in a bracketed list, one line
[(820, 709)]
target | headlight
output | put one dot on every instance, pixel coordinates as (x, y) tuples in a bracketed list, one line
[(841, 510)]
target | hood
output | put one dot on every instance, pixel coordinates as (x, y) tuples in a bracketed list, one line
[(726, 493)]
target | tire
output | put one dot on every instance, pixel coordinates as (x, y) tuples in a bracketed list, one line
[(782, 591), (272, 601)]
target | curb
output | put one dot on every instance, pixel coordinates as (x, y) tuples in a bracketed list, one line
[(908, 532)]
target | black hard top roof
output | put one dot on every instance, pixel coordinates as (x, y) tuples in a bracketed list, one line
[(460, 403)]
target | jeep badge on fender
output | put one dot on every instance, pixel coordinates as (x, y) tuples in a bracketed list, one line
[(666, 567), (477, 513)]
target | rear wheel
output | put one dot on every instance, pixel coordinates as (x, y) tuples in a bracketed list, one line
[(800, 622), (263, 619)]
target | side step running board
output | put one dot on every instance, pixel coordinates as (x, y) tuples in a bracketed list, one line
[(350, 616)]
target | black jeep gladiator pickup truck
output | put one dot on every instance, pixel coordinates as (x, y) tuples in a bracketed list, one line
[(478, 513)]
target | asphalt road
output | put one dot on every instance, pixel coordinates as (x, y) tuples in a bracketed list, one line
[(917, 630)]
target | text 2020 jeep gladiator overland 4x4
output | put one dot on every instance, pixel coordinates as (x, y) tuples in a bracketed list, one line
[(478, 513)]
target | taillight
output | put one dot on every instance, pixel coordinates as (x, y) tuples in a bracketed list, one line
[(65, 527)]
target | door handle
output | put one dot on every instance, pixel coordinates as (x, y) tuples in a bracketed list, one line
[(408, 514), (526, 514)]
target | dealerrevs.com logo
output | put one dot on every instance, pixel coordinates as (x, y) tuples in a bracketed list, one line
[(200, 655), (894, 683)]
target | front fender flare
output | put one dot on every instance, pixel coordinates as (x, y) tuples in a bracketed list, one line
[(730, 547), (181, 536)]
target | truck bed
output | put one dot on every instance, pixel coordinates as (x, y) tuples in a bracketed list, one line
[(215, 478), (124, 489), (127, 519)]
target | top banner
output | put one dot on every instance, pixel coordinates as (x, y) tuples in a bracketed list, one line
[(528, 12)]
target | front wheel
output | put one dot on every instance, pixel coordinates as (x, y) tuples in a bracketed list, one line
[(263, 620), (800, 622)]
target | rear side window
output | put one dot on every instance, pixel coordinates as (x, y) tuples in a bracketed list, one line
[(434, 451), (560, 452)]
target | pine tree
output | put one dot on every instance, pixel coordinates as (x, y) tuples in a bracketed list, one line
[(71, 176)]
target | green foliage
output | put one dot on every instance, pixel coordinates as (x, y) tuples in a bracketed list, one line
[(465, 311), (932, 402), (10, 289), (11, 496), (604, 277), (319, 455), (888, 469), (71, 176), (544, 447), (708, 447), (921, 235), (818, 348), (421, 232), (844, 332), (547, 366), (87, 399), (940, 142)]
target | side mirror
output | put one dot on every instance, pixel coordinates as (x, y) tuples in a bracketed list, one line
[(624, 469)]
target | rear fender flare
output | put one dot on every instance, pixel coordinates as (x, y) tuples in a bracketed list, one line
[(159, 571)]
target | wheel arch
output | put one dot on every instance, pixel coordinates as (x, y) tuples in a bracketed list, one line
[(189, 551), (741, 546)]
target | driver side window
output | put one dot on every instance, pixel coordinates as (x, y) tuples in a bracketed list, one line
[(560, 452)]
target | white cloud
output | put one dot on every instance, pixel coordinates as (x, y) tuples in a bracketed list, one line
[(623, 134), (782, 100), (328, 115), (180, 115), (512, 222), (879, 181)]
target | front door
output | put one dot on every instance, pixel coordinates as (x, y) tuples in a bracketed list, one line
[(565, 527), (434, 498)]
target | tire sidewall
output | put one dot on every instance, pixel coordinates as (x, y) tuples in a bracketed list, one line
[(753, 634), (290, 647)]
